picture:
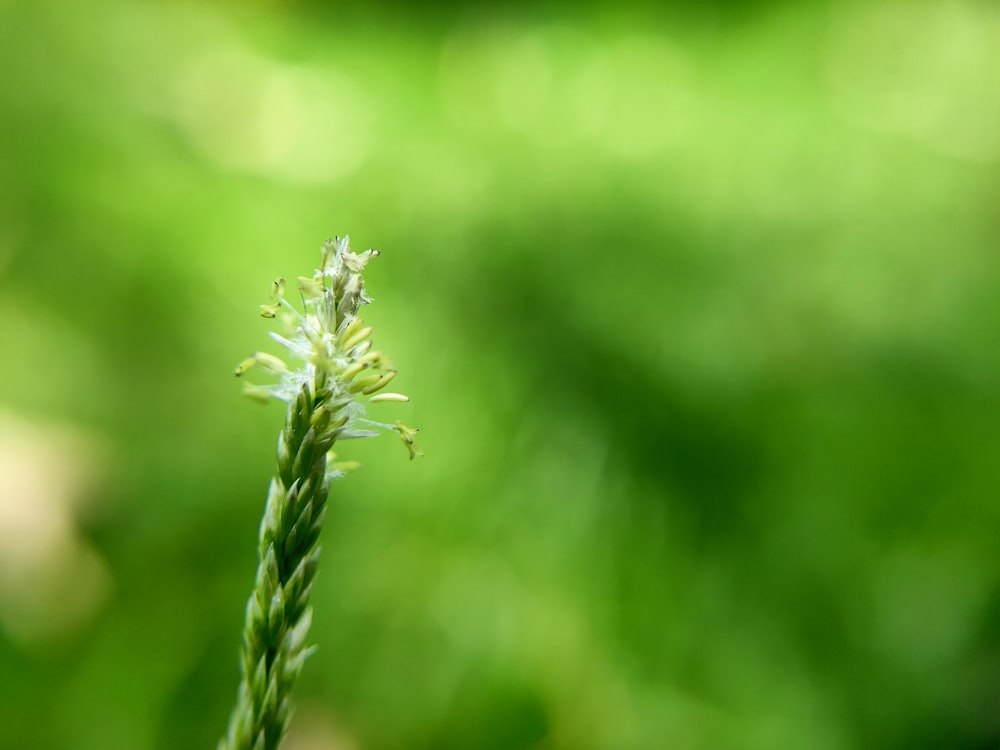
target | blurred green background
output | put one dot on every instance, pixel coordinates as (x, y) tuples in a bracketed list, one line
[(698, 309)]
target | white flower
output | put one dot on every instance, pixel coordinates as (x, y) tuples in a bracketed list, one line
[(330, 345)]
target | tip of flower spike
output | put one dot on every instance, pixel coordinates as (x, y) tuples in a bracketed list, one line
[(330, 353), (332, 249)]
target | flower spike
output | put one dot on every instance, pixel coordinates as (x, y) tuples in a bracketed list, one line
[(328, 375), (328, 337)]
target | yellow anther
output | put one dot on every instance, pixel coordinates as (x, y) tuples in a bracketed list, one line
[(270, 362), (310, 287), (245, 365), (357, 338), (389, 397), (382, 382), (278, 287)]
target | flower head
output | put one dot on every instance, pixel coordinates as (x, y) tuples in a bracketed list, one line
[(336, 367)]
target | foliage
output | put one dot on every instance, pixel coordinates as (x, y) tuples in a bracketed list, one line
[(705, 302)]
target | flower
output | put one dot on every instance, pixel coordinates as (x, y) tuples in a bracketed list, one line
[(338, 370)]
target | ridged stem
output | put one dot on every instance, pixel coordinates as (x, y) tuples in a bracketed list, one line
[(278, 613), (325, 399)]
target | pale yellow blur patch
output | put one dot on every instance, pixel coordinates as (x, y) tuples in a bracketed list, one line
[(924, 71), (252, 114), (631, 97), (523, 82), (242, 110), (52, 582), (313, 728), (636, 96)]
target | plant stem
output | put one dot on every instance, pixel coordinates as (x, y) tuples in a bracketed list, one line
[(278, 613), (325, 398)]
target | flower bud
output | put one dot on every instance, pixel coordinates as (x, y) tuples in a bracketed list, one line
[(338, 368)]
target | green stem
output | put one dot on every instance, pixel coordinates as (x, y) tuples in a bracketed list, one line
[(325, 397), (278, 613)]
